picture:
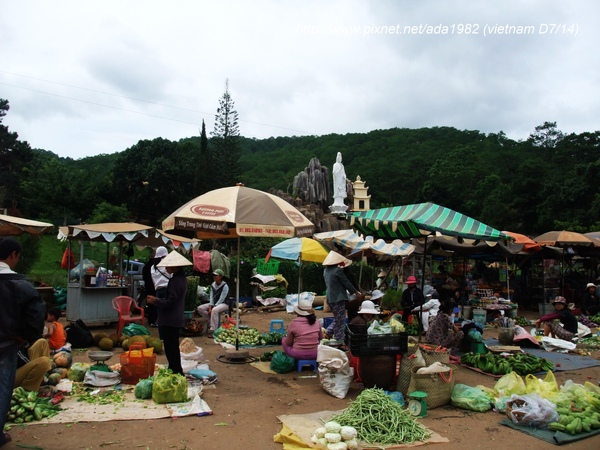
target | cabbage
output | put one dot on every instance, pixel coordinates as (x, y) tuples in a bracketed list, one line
[(143, 390), (333, 437), (333, 427), (169, 387), (348, 433), (77, 371)]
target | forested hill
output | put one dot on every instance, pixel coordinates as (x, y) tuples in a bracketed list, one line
[(543, 183)]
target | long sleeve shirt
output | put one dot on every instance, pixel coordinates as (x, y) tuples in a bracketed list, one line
[(303, 336)]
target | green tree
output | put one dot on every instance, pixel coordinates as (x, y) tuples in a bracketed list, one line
[(105, 212), (204, 166), (225, 143), (15, 155)]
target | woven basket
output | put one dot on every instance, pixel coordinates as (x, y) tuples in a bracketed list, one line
[(435, 356), (406, 365), (438, 386)]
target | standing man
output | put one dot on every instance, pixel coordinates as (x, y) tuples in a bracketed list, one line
[(22, 314), (411, 297)]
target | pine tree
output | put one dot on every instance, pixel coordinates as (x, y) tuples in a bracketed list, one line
[(202, 179), (225, 143)]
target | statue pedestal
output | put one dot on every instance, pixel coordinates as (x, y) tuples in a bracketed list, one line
[(338, 208)]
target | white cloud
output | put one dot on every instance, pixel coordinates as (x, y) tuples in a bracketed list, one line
[(84, 78)]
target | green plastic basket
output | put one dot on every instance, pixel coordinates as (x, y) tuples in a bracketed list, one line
[(267, 268)]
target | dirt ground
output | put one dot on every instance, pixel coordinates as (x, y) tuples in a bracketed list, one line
[(246, 403)]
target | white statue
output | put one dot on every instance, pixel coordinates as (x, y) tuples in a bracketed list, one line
[(339, 186)]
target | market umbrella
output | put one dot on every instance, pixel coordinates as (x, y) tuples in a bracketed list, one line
[(237, 211), (564, 238), (529, 245), (299, 249), (15, 226)]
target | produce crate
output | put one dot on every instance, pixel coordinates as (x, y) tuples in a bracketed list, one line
[(267, 268), (376, 344)]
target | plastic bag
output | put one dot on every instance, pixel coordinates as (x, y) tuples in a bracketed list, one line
[(546, 388), (500, 404), (205, 375), (510, 384), (379, 328), (470, 398), (133, 329), (282, 363), (532, 410), (396, 324), (551, 344), (100, 378), (169, 387)]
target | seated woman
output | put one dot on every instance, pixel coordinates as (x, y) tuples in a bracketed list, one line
[(442, 331), (564, 316), (304, 333), (365, 316)]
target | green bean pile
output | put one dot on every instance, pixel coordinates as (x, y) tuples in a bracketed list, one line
[(380, 420)]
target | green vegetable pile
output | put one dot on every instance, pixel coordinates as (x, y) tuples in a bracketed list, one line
[(521, 363), (412, 328), (578, 409), (523, 322), (267, 356), (595, 319), (247, 336), (273, 338), (109, 397), (26, 406), (380, 420)]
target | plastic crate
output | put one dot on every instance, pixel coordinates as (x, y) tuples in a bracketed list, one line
[(267, 268), (376, 344)]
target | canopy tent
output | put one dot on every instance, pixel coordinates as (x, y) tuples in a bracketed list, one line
[(15, 226), (529, 245), (299, 249), (105, 232), (237, 211), (419, 220), (341, 238), (157, 238)]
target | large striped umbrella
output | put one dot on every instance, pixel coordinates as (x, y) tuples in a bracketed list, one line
[(422, 219)]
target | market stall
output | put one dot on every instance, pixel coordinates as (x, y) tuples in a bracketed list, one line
[(89, 297)]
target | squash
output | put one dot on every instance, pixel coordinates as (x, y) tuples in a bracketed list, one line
[(63, 359), (54, 378)]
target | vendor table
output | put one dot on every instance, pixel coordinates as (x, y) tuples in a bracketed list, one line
[(92, 304)]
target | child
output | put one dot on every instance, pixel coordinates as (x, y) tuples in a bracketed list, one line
[(55, 335)]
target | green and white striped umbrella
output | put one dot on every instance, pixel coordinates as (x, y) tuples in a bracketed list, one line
[(422, 219)]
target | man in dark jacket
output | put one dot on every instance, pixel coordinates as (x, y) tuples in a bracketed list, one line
[(590, 302), (22, 314)]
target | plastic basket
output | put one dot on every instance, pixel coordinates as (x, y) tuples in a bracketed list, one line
[(376, 344), (137, 364), (267, 268)]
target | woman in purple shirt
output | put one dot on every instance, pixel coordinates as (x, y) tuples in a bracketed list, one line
[(304, 333)]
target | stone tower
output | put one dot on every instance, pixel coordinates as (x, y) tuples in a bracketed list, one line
[(362, 200)]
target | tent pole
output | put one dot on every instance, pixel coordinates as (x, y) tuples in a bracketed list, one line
[(299, 275), (237, 298), (420, 328)]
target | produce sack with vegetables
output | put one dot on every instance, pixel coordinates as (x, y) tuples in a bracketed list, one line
[(335, 373), (546, 388), (100, 378), (169, 387), (531, 410), (77, 371), (282, 363), (467, 397), (143, 390)]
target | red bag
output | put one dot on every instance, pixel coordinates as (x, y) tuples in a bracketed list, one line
[(68, 259)]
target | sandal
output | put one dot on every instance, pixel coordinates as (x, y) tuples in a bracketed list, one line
[(6, 439)]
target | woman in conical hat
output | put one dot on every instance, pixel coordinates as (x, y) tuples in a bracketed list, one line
[(338, 287), (170, 308)]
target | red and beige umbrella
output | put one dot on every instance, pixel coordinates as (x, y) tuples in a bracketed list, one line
[(237, 211), (564, 238)]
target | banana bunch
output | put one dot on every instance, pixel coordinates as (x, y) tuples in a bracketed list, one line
[(521, 363)]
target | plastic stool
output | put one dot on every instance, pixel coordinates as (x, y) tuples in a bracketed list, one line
[(300, 363), (277, 326)]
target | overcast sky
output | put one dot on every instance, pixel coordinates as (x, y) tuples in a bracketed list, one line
[(90, 77)]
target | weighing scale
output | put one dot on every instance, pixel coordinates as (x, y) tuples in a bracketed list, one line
[(417, 405), (98, 357)]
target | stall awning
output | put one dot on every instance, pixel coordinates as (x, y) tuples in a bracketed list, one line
[(422, 219), (15, 226)]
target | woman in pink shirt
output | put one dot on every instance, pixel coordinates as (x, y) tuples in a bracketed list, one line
[(304, 333)]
